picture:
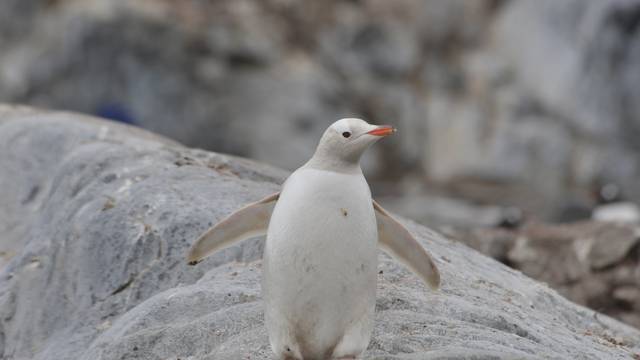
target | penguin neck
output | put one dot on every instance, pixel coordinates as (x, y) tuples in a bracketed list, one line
[(322, 160)]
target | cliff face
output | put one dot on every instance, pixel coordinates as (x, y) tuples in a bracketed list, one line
[(537, 97), (95, 218)]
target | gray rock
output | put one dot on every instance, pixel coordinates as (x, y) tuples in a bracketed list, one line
[(611, 244), (98, 217), (441, 212), (592, 54), (596, 264), (576, 60), (538, 97)]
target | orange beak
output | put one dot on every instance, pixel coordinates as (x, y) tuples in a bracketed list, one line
[(382, 130)]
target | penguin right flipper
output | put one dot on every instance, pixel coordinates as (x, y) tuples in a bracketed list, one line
[(251, 220), (396, 240)]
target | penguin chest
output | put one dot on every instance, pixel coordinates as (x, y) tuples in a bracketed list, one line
[(321, 250)]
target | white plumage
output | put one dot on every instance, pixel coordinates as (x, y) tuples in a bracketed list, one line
[(320, 257)]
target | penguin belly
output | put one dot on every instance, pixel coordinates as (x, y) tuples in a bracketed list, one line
[(319, 267)]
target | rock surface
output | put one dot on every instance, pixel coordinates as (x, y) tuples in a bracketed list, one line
[(596, 264), (96, 218)]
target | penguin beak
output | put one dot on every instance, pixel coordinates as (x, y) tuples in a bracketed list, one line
[(382, 130)]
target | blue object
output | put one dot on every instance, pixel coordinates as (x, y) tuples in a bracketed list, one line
[(116, 112)]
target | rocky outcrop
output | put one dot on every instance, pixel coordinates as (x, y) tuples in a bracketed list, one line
[(95, 220), (529, 102), (596, 264)]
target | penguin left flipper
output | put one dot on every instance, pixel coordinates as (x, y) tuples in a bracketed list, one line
[(396, 240), (251, 220)]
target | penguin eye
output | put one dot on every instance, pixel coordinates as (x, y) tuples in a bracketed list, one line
[(346, 134)]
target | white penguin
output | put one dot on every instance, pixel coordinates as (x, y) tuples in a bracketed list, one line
[(320, 255)]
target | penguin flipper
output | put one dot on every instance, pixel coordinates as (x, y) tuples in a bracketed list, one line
[(398, 242), (249, 221)]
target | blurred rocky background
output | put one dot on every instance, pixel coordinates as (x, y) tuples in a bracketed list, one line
[(509, 111), (596, 264)]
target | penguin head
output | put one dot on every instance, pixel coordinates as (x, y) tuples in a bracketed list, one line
[(344, 142)]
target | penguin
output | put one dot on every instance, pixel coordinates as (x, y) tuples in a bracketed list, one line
[(319, 266)]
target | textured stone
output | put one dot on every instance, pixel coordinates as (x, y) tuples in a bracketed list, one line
[(99, 215), (592, 263)]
